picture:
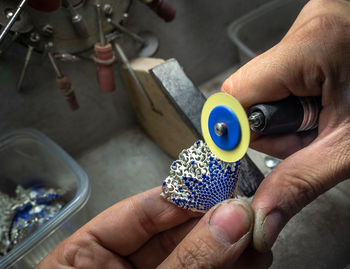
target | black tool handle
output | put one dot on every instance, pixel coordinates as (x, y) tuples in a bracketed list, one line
[(289, 115)]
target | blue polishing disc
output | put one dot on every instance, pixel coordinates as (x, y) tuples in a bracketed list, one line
[(232, 134)]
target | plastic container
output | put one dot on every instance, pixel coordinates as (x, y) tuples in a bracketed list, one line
[(262, 28), (28, 157)]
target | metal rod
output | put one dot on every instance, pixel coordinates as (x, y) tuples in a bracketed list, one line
[(54, 65), (24, 68), (78, 21), (99, 23), (12, 20), (127, 32), (134, 76)]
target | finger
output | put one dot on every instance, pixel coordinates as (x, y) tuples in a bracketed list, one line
[(82, 251), (298, 180), (126, 226), (275, 75), (160, 246), (257, 81), (282, 146), (218, 239)]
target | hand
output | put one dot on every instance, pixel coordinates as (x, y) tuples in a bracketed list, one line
[(312, 59), (146, 231)]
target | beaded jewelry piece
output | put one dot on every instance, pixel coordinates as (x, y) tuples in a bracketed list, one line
[(198, 180)]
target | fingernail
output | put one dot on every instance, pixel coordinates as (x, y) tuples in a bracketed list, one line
[(272, 226), (230, 221)]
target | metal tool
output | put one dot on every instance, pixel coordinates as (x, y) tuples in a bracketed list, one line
[(188, 101), (148, 41), (134, 76), (33, 40), (104, 58), (225, 124), (67, 57), (126, 31), (225, 127), (12, 20), (78, 21), (100, 25), (292, 114), (23, 22), (64, 84)]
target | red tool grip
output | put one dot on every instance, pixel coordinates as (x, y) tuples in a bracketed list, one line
[(66, 87), (163, 9), (104, 58), (45, 5)]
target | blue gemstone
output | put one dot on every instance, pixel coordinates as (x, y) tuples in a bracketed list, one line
[(174, 163), (164, 183)]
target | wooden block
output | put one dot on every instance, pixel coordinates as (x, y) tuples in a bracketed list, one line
[(167, 130)]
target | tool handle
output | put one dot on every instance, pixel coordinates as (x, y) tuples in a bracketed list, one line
[(290, 115), (66, 87), (104, 58), (80, 25), (163, 9)]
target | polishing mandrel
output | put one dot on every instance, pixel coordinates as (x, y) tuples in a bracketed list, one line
[(225, 127)]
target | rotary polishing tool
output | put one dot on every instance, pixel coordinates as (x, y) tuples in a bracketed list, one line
[(226, 126)]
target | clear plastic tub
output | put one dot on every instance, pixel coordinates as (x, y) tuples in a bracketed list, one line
[(262, 28), (27, 156)]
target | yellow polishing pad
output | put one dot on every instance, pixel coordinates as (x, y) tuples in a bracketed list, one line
[(229, 103)]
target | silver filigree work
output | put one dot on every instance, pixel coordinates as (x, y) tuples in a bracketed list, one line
[(198, 180)]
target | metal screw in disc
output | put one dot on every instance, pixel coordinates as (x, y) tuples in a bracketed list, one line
[(220, 129)]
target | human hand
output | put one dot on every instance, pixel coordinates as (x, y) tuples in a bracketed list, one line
[(146, 231), (313, 59)]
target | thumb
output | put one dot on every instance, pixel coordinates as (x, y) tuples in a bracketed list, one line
[(218, 239), (297, 181)]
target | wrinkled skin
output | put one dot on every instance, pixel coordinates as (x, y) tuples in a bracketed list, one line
[(145, 231), (313, 59)]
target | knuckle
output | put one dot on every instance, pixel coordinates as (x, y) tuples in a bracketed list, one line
[(80, 253), (69, 252), (302, 189), (195, 255)]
